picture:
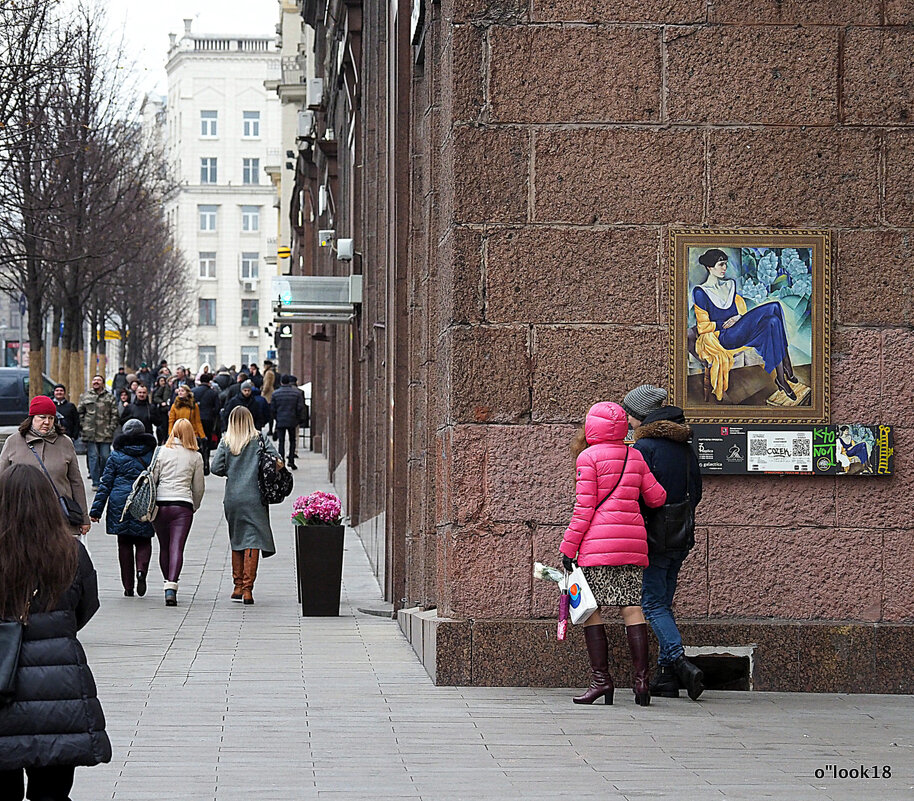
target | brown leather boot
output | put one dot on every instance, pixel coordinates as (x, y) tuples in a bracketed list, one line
[(251, 557), (601, 683), (237, 573), (637, 644)]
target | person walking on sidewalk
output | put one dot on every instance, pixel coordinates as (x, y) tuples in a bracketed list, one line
[(161, 400), (140, 409), (178, 478), (54, 721), (237, 458), (98, 417), (40, 442), (208, 405), (67, 415), (186, 408), (607, 537), (288, 411), (662, 437), (267, 389), (132, 453)]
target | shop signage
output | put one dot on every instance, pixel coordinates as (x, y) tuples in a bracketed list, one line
[(849, 449)]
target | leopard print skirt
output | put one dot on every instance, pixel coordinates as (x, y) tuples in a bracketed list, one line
[(615, 585)]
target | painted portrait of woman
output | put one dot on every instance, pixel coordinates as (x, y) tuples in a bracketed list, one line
[(749, 324), (726, 326)]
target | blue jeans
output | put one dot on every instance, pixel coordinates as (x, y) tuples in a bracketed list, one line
[(657, 603), (97, 454)]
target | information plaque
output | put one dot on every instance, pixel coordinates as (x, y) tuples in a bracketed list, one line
[(852, 449)]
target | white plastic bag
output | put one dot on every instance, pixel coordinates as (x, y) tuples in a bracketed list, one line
[(583, 604)]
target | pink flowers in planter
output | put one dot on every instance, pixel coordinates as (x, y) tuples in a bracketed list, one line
[(317, 509)]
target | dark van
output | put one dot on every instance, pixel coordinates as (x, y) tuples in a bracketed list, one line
[(14, 394)]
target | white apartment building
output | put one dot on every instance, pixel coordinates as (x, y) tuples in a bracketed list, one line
[(222, 127)]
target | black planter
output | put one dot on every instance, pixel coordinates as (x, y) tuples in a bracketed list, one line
[(319, 563)]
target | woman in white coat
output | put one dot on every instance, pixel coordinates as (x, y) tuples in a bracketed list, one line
[(178, 478)]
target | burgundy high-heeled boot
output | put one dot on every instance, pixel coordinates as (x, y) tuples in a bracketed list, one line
[(637, 644), (601, 683)]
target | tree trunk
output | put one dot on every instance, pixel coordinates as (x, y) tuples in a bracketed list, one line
[(55, 345)]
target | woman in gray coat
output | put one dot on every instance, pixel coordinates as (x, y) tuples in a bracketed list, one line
[(237, 458)]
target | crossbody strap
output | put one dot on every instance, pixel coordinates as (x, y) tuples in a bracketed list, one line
[(59, 497), (621, 473)]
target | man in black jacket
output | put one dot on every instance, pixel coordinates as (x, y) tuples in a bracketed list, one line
[(662, 437), (141, 409), (208, 403), (245, 398), (288, 410), (67, 413)]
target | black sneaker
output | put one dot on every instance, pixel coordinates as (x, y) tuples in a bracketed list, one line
[(140, 583)]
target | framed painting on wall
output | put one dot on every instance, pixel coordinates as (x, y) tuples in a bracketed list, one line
[(749, 324)]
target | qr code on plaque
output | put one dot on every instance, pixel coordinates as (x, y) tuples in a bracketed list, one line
[(801, 447), (758, 447)]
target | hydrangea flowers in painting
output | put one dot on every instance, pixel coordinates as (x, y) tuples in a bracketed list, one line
[(317, 509)]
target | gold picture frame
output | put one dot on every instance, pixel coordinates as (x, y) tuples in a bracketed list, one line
[(750, 324)]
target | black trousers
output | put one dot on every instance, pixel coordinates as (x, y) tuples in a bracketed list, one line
[(45, 784), (281, 432)]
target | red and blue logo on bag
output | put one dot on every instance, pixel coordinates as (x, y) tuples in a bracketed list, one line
[(574, 592)]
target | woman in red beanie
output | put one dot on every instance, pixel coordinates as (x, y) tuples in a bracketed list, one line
[(42, 443)]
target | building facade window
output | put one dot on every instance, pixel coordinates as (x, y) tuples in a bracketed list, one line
[(207, 217), (250, 312), (250, 266), (207, 264), (250, 124), (250, 355), (208, 123), (250, 218), (206, 354), (207, 308), (250, 171), (208, 174)]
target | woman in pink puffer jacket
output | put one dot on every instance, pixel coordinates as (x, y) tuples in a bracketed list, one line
[(608, 540)]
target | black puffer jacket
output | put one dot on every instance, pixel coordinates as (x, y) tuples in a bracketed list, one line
[(288, 406), (663, 439), (208, 400), (55, 717)]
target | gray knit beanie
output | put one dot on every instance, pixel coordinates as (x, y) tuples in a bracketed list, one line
[(247, 385), (643, 400), (133, 427)]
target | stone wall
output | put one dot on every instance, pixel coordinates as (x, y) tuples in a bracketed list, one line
[(573, 135)]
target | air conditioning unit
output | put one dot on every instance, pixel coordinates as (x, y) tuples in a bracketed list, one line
[(305, 124), (250, 285), (253, 333), (315, 92)]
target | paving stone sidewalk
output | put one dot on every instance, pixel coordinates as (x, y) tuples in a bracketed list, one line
[(215, 701)]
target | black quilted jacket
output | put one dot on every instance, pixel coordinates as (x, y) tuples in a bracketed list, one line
[(55, 717)]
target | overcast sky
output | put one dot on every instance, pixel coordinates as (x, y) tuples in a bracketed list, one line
[(147, 24)]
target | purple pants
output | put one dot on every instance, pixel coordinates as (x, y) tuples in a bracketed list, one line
[(172, 525), (125, 547)]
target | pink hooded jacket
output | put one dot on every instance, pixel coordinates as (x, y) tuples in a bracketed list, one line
[(614, 534)]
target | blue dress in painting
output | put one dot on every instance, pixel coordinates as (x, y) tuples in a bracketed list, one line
[(761, 328), (859, 450)]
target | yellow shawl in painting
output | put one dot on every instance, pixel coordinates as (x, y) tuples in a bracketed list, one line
[(710, 350)]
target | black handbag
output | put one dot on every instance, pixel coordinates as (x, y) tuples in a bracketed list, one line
[(10, 648), (274, 483), (71, 509), (671, 527)]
